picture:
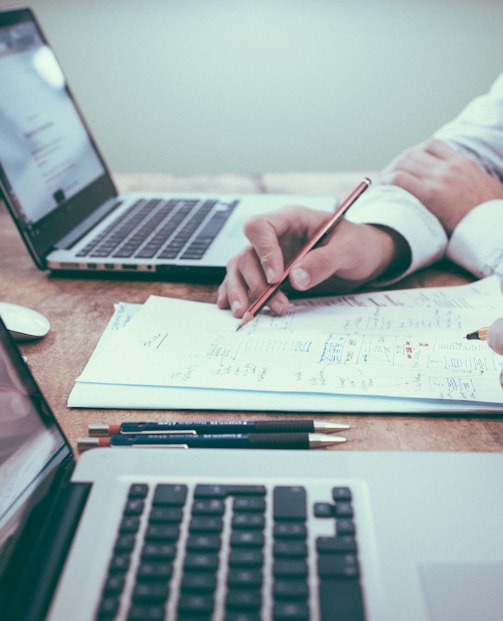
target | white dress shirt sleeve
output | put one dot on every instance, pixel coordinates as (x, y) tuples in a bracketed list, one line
[(394, 208), (477, 242)]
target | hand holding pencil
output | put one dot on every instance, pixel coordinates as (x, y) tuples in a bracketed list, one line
[(347, 258)]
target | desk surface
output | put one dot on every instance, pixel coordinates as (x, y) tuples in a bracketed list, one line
[(79, 310)]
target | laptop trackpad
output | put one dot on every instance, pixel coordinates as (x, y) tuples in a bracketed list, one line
[(463, 591)]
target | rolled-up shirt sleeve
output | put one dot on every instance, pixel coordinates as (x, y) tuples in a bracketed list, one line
[(394, 208), (477, 242)]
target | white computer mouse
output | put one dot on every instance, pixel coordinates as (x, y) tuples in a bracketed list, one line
[(23, 323)]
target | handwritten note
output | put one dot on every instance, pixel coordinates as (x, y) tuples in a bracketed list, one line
[(405, 344)]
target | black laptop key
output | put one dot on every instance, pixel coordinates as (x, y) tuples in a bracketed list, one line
[(290, 568), (203, 582), (129, 524), (247, 539), (248, 520), (119, 563), (146, 613), (109, 607), (243, 599), (154, 550), (195, 605), (172, 495), (210, 506), (138, 490), (290, 549), (345, 544), (343, 510), (246, 558), (291, 611), (222, 491), (155, 571), (134, 506), (147, 592), (290, 530), (290, 589), (289, 503), (206, 524), (341, 600), (204, 542), (125, 543), (338, 565), (165, 514), (162, 532), (342, 492), (345, 526), (114, 584), (252, 504), (201, 562)]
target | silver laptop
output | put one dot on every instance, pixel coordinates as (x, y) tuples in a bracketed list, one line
[(62, 198), (238, 534)]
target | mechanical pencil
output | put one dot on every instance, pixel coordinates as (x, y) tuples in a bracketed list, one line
[(238, 441), (215, 427)]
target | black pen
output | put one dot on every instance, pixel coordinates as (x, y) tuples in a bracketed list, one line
[(213, 427), (238, 441)]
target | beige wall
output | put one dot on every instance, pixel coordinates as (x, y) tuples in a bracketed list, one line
[(255, 85)]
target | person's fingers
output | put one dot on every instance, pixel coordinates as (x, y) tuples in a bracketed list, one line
[(278, 236), (263, 234), (243, 282)]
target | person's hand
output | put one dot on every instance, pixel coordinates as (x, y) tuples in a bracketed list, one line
[(353, 255), (446, 182)]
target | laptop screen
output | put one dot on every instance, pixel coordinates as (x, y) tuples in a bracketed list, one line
[(46, 156), (52, 176), (31, 443)]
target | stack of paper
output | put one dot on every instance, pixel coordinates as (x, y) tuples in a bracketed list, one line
[(390, 351)]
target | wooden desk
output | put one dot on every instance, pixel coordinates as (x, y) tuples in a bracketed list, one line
[(79, 310)]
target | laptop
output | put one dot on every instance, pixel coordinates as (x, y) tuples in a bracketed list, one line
[(58, 189), (237, 534)]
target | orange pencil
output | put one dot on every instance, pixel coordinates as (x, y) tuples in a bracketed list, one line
[(319, 236)]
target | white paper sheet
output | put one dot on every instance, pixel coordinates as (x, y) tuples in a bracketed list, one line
[(384, 351)]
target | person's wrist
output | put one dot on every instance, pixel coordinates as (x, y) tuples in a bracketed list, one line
[(394, 253)]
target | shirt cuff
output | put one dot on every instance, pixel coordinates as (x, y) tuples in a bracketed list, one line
[(393, 207), (477, 242)]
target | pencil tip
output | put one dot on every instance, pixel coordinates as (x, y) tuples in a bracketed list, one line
[(247, 317), (472, 336)]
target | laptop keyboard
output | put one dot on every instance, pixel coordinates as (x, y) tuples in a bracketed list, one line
[(234, 553), (163, 229)]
